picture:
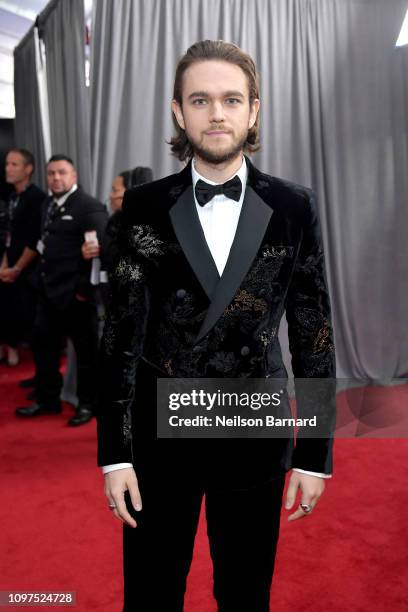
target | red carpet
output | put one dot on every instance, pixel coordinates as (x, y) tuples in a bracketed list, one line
[(57, 534)]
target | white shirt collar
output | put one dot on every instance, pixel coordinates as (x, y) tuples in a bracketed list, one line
[(242, 173), (60, 201)]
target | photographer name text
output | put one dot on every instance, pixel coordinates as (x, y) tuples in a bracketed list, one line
[(238, 421)]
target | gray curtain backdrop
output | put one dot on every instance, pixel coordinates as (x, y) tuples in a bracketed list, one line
[(28, 128), (333, 117), (62, 27)]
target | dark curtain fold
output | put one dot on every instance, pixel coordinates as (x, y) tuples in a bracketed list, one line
[(28, 127), (62, 27)]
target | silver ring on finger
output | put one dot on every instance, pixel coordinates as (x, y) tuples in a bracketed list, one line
[(307, 508)]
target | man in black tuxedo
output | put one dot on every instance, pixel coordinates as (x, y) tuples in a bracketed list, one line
[(210, 258), (66, 302), (17, 296)]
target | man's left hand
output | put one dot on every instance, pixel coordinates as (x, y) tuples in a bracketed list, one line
[(10, 275), (311, 488)]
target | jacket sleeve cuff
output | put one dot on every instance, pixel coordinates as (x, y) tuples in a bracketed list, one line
[(115, 466), (318, 474)]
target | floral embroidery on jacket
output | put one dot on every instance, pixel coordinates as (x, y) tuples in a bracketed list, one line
[(145, 241), (127, 271), (278, 251), (323, 340), (244, 300)]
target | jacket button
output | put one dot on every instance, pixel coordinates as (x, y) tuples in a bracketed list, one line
[(181, 293), (245, 351), (197, 349)]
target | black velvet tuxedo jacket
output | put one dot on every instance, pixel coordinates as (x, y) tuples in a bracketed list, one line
[(171, 315), (61, 271)]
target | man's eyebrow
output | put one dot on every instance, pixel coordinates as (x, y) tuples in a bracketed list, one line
[(226, 94), (233, 94), (198, 94)]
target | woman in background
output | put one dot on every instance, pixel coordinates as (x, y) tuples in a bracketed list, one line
[(123, 181), (127, 180)]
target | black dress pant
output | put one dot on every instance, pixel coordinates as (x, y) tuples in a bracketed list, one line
[(243, 530), (77, 321)]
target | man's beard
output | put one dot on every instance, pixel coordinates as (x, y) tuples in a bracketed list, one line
[(218, 157), (59, 194)]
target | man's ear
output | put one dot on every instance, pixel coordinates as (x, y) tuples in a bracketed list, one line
[(178, 113), (29, 169), (253, 113)]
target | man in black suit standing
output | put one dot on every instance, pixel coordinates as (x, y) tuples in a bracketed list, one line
[(17, 297), (210, 258), (66, 304)]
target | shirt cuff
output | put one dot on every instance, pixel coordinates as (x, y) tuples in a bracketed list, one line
[(115, 466), (318, 474)]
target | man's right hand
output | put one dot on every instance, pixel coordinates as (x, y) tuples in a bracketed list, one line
[(116, 483), (90, 250)]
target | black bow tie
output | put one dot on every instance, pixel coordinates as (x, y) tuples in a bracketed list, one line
[(205, 192)]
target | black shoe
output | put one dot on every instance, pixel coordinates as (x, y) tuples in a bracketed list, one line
[(83, 415), (31, 396), (27, 383), (37, 409)]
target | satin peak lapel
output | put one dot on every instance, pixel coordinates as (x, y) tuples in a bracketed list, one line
[(187, 227)]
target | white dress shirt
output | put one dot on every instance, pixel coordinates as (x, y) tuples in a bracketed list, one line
[(219, 219), (60, 201)]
